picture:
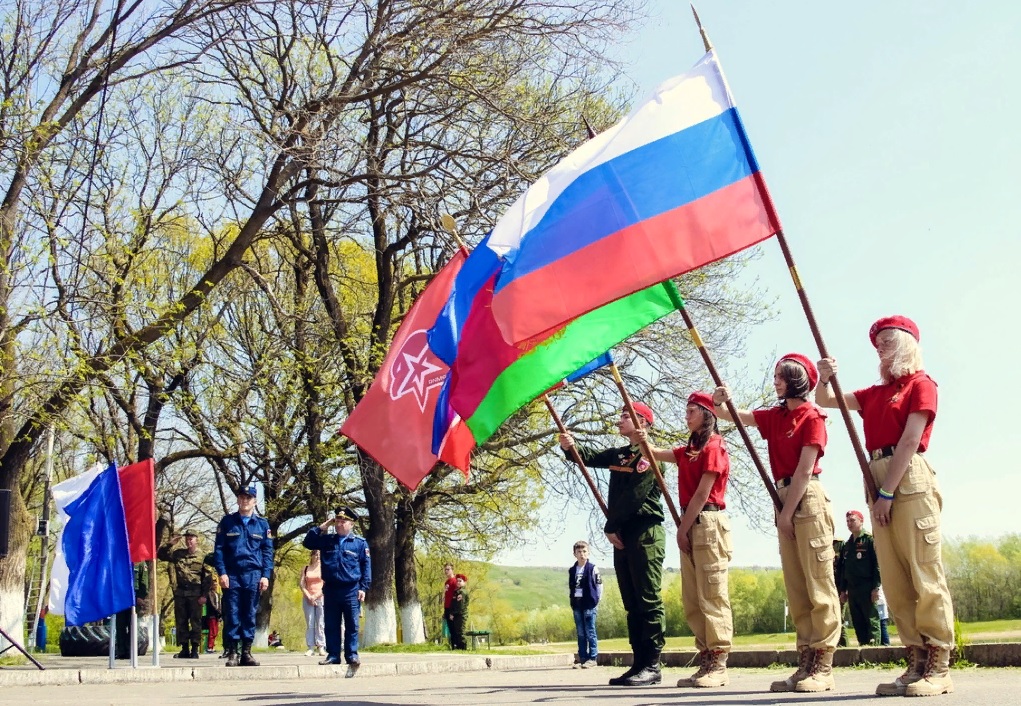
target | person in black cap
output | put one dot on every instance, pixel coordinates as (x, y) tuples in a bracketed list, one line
[(347, 575), (243, 556)]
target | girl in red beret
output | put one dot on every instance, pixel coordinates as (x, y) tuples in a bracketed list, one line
[(795, 434), (897, 415), (703, 536)]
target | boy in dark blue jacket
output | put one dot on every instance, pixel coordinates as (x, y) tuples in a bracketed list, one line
[(586, 588)]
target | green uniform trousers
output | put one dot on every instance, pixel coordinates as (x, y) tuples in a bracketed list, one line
[(188, 619), (639, 569), (864, 616), (910, 554)]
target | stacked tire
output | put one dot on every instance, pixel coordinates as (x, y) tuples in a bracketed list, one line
[(94, 640)]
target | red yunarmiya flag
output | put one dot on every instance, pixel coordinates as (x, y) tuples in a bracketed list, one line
[(394, 421)]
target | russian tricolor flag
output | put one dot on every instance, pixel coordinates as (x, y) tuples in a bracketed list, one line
[(109, 523), (672, 187)]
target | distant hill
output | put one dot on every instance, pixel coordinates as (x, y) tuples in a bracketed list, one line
[(530, 587)]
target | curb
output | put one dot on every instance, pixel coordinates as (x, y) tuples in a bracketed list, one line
[(66, 677), (992, 654)]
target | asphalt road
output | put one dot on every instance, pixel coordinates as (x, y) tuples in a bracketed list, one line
[(525, 686)]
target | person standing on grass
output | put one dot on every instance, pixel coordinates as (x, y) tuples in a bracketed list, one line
[(457, 614), (585, 587)]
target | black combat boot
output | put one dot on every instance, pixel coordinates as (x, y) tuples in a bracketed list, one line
[(649, 674), (194, 654), (246, 654), (185, 653), (636, 666), (232, 655)]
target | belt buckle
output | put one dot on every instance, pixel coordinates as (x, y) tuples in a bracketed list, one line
[(876, 454)]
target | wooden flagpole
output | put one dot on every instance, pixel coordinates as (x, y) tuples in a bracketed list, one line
[(646, 451), (577, 457), (450, 225), (870, 484), (741, 429)]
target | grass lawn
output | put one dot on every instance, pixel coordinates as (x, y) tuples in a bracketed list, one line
[(989, 631)]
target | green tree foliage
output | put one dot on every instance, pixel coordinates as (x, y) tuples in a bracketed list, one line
[(984, 577)]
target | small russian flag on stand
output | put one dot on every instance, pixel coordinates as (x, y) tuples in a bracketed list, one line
[(109, 524)]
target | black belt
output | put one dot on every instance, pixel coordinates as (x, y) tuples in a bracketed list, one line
[(709, 507), (784, 482), (882, 453)]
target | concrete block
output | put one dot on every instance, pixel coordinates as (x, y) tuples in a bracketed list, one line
[(266, 673), (881, 654), (523, 662), (994, 654), (679, 659), (142, 675), (846, 656), (758, 658), (37, 677)]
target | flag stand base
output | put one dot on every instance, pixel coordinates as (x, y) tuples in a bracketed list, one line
[(21, 649)]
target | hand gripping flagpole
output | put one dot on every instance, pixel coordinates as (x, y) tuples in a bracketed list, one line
[(450, 225), (577, 457), (870, 484), (741, 429), (646, 451)]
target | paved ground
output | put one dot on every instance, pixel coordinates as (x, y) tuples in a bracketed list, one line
[(559, 685)]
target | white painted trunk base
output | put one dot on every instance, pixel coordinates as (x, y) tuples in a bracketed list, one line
[(412, 624), (379, 625), (12, 615)]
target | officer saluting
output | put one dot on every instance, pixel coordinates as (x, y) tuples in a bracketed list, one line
[(347, 575), (243, 556)]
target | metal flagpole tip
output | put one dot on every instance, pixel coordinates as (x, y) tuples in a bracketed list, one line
[(701, 30), (448, 223)]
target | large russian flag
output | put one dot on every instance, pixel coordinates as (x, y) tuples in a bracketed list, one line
[(109, 522), (672, 187)]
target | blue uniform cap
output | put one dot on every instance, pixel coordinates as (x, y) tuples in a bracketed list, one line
[(248, 490)]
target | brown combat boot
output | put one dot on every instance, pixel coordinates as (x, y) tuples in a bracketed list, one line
[(936, 677), (716, 671), (703, 657), (805, 660), (916, 657), (820, 676)]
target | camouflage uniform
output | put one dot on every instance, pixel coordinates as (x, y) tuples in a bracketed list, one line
[(191, 581), (635, 514)]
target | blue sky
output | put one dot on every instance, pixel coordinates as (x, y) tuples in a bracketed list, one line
[(889, 137)]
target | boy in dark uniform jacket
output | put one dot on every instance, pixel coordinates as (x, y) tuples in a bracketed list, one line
[(585, 587)]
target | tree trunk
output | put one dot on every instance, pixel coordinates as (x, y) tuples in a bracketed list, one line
[(380, 624), (406, 573), (12, 574)]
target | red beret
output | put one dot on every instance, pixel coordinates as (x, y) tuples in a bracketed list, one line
[(702, 399), (809, 366), (643, 410), (898, 322), (856, 512), (462, 577)]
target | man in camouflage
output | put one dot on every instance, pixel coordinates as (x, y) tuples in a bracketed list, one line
[(634, 526), (192, 581)]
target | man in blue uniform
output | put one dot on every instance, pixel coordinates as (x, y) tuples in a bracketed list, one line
[(347, 575), (243, 556)]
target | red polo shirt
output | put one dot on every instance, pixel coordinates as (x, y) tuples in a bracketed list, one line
[(885, 409), (787, 432), (692, 465), (448, 591)]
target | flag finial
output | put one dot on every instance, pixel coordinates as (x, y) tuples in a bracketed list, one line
[(701, 30), (450, 225)]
